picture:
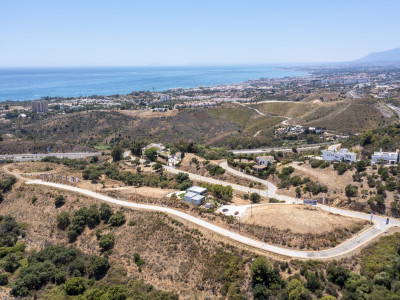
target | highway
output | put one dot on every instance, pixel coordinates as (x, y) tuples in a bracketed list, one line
[(31, 156), (349, 245)]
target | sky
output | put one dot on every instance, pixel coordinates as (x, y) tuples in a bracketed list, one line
[(70, 33)]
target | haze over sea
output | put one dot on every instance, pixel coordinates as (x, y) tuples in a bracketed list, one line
[(34, 83)]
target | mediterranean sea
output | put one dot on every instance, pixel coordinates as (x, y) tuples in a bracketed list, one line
[(34, 83)]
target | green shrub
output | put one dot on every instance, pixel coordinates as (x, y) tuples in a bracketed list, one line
[(59, 201), (3, 279), (105, 212), (63, 220), (75, 286), (106, 241), (117, 219), (97, 266)]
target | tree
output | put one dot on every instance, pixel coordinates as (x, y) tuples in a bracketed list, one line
[(75, 286), (97, 266), (351, 190), (337, 274), (151, 153), (59, 201), (105, 212), (106, 241), (297, 291), (93, 216), (63, 220), (3, 279), (117, 153), (261, 272), (313, 282), (255, 197), (157, 166), (117, 219)]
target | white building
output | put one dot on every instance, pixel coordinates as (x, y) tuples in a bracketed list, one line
[(265, 160), (341, 155), (389, 158)]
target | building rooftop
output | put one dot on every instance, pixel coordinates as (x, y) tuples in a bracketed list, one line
[(197, 189)]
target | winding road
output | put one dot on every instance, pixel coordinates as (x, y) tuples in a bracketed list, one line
[(349, 245)]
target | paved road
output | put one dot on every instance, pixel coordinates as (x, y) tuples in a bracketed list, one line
[(31, 156), (282, 149), (341, 249)]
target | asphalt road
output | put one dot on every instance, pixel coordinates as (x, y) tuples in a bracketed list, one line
[(282, 149), (349, 245), (31, 156)]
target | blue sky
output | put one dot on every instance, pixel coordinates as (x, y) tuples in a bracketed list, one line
[(149, 32)]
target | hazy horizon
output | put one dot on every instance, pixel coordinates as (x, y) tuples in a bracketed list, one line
[(93, 33)]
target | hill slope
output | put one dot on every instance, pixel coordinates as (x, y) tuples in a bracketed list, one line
[(392, 55)]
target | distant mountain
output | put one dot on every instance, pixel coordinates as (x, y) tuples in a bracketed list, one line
[(392, 55)]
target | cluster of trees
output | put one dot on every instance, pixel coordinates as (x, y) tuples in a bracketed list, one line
[(78, 164), (180, 181), (248, 167), (215, 169), (90, 217), (318, 163), (296, 181), (219, 191), (54, 264)]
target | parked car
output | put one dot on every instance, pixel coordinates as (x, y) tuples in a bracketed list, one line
[(236, 213), (225, 210)]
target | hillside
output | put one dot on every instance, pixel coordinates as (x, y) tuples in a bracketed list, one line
[(392, 55)]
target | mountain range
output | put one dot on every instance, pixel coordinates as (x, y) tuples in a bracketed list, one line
[(392, 55)]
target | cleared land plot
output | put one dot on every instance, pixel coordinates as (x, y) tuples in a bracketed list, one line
[(298, 219)]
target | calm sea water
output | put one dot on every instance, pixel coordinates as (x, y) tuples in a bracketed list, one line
[(31, 84)]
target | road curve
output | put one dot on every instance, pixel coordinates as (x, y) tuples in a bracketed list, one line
[(324, 254)]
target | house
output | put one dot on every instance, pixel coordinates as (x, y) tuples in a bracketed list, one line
[(341, 155), (389, 158), (297, 129), (194, 198), (265, 160), (197, 190), (160, 148), (174, 159)]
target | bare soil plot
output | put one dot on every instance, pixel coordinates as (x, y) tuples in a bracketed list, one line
[(300, 227), (298, 218)]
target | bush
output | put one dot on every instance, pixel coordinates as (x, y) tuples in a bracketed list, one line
[(106, 241), (138, 260), (215, 169), (75, 286), (59, 201), (97, 266), (117, 153), (63, 220), (3, 279), (33, 200), (117, 219), (105, 212), (351, 190), (255, 197)]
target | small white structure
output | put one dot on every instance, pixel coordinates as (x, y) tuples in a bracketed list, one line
[(389, 158), (297, 129), (341, 155), (194, 198), (265, 160), (197, 190), (174, 159)]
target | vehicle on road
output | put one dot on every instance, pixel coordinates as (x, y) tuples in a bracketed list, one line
[(236, 213), (225, 210)]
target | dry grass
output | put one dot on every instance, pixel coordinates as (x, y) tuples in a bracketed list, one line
[(298, 219)]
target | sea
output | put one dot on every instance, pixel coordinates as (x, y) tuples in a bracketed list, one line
[(22, 84)]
